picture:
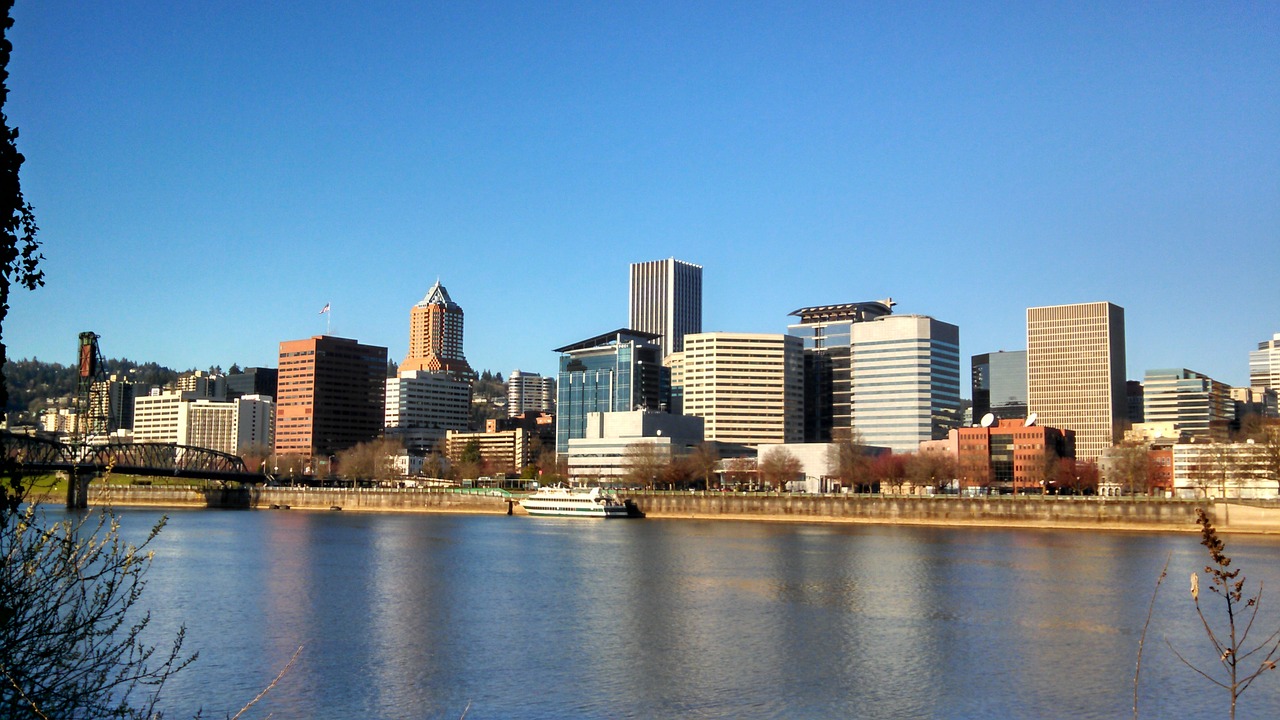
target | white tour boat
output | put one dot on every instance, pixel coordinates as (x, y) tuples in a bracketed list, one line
[(574, 502)]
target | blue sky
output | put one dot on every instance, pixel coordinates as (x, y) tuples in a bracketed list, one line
[(207, 176)]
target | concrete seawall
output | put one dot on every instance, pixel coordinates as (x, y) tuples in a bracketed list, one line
[(299, 498), (998, 511)]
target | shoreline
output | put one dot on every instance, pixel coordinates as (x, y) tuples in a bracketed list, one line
[(1074, 514)]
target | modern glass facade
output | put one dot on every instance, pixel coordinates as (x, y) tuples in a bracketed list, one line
[(827, 332), (1000, 385), (615, 372), (1264, 364), (1195, 403)]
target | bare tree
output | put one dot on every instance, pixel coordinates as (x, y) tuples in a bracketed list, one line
[(890, 470), (1241, 664), (71, 634), (373, 460), (704, 460), (1132, 468), (644, 463), (931, 469), (778, 467), (848, 461), (1264, 433), (740, 471), (678, 473)]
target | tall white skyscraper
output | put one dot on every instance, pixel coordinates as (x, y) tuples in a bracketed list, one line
[(905, 386), (666, 299), (1264, 364), (1075, 372)]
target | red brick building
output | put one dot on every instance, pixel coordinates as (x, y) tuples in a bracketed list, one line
[(1012, 455)]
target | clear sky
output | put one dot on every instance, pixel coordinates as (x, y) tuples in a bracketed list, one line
[(207, 176)]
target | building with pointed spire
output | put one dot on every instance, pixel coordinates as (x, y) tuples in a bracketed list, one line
[(435, 336)]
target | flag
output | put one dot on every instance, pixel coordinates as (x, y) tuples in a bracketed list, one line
[(325, 309)]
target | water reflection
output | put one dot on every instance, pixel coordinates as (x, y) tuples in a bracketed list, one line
[(425, 616)]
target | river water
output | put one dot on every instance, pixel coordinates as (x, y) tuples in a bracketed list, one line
[(439, 616)]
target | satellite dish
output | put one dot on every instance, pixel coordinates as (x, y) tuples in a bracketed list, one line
[(1031, 420), (988, 420)]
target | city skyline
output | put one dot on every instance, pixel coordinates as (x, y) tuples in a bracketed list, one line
[(249, 165)]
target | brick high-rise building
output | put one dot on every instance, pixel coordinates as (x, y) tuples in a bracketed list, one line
[(330, 395), (435, 336)]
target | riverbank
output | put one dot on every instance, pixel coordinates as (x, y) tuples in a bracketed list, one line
[(1033, 511)]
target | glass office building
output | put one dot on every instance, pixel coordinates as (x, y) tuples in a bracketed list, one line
[(618, 371), (1000, 385)]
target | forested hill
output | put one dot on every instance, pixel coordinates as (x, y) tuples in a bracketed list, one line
[(32, 381)]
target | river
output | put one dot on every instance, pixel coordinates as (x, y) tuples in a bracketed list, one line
[(446, 616)]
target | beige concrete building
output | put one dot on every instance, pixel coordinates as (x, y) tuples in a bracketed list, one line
[(420, 406), (1076, 372), (227, 426), (747, 387), (503, 452), (1222, 470)]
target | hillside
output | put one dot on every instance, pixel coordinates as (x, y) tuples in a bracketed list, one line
[(33, 381)]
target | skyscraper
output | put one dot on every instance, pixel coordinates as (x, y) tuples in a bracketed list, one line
[(1075, 372), (666, 299), (1264, 364), (905, 380), (827, 332), (435, 336), (748, 388), (618, 371), (330, 395), (1000, 384)]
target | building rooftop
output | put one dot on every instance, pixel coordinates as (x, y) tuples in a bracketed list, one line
[(609, 338), (857, 312)]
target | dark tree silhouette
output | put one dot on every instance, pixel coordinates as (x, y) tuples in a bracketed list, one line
[(19, 249)]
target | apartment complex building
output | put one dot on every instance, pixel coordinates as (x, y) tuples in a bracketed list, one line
[(530, 392), (185, 418)]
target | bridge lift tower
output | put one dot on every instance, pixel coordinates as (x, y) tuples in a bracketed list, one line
[(91, 412)]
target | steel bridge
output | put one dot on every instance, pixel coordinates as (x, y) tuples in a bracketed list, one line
[(42, 455)]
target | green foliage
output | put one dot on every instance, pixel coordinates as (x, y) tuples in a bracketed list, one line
[(471, 453), (31, 381)]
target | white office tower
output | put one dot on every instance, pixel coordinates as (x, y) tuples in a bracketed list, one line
[(905, 380), (666, 299)]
